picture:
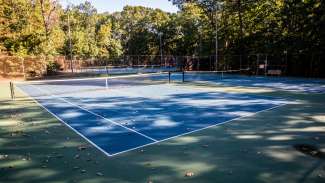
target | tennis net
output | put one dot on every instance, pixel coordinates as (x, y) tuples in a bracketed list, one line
[(202, 76), (116, 70), (70, 86)]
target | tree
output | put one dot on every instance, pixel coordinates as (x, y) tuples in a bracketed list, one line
[(83, 20), (39, 27), (18, 34), (140, 27)]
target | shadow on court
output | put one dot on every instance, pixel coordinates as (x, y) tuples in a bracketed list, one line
[(35, 147)]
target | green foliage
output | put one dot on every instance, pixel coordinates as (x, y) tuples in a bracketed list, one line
[(265, 26), (52, 67), (140, 29), (30, 27), (41, 27)]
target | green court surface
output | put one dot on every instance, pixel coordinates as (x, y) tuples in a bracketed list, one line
[(285, 144)]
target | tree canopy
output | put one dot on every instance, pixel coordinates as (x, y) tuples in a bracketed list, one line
[(41, 27)]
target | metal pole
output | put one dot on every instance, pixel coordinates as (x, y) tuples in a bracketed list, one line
[(257, 63), (200, 50), (286, 62), (161, 50), (265, 66), (70, 43), (12, 91), (240, 62), (169, 77), (23, 67), (216, 66), (183, 76)]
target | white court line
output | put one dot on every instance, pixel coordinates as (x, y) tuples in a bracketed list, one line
[(158, 141), (274, 89), (95, 114), (62, 121), (187, 133), (91, 78)]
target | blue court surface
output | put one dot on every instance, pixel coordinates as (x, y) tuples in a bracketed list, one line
[(121, 119), (278, 83), (302, 85)]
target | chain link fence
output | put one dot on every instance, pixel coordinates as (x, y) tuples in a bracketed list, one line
[(304, 65), (14, 67)]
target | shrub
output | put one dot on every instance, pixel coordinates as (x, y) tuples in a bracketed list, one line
[(53, 68)]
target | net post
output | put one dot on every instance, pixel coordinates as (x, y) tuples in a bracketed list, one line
[(183, 76), (12, 92), (169, 75), (106, 83), (106, 68)]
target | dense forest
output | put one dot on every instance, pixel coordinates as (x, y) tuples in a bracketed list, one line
[(278, 27)]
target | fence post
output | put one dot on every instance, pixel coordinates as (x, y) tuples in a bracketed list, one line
[(4, 67), (240, 62), (257, 63), (311, 66), (23, 67), (265, 65), (44, 62)]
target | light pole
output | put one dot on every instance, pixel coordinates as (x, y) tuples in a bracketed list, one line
[(161, 49), (217, 6), (69, 34)]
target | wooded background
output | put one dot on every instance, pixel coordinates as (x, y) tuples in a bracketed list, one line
[(292, 31)]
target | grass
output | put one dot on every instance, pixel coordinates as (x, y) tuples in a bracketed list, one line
[(36, 147)]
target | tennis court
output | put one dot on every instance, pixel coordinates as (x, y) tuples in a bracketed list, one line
[(149, 126), (119, 114), (163, 91), (303, 85)]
